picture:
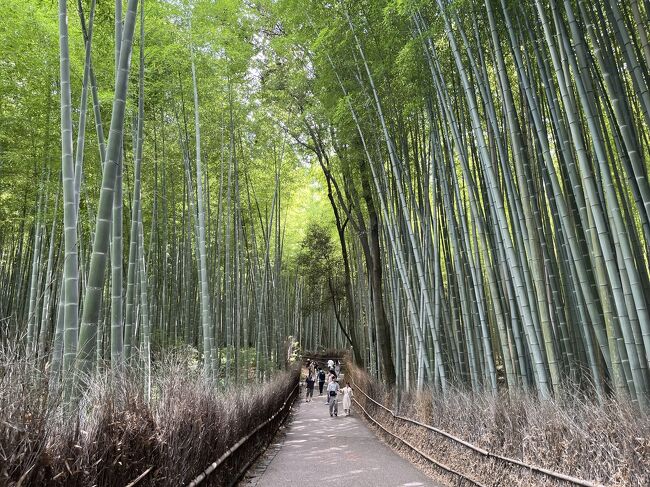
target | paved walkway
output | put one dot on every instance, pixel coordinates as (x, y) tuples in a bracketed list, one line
[(324, 450)]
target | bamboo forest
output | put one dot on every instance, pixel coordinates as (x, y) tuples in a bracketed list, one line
[(436, 211)]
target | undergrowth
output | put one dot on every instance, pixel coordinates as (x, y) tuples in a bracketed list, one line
[(607, 444), (116, 435)]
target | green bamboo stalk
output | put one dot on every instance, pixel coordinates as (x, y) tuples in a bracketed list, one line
[(71, 269), (87, 336)]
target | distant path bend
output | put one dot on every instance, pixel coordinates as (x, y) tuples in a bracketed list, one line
[(320, 449)]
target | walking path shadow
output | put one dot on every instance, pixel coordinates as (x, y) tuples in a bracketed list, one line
[(319, 449)]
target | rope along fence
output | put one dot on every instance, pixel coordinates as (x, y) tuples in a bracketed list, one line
[(228, 453), (486, 454)]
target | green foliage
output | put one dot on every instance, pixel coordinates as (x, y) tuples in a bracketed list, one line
[(308, 100), (29, 111), (320, 264)]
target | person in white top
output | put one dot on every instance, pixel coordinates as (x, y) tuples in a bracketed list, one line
[(330, 363), (347, 398), (332, 392), (331, 377)]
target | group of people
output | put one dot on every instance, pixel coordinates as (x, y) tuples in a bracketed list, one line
[(333, 388)]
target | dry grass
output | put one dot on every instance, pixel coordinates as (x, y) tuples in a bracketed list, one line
[(607, 444), (115, 435)]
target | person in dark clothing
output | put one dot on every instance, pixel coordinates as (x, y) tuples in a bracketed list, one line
[(311, 368), (310, 388), (321, 381)]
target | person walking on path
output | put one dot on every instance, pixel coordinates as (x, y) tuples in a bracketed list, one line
[(321, 381), (347, 398), (337, 368), (332, 392), (331, 377), (310, 368), (309, 382), (330, 363)]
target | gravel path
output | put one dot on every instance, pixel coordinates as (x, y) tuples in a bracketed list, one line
[(318, 449)]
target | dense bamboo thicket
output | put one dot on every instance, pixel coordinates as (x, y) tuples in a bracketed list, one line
[(488, 164), (145, 231), (456, 190)]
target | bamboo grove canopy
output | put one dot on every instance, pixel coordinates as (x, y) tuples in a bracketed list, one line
[(473, 173)]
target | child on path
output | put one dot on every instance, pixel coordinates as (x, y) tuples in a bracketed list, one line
[(310, 388), (321, 381), (347, 398), (332, 391)]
